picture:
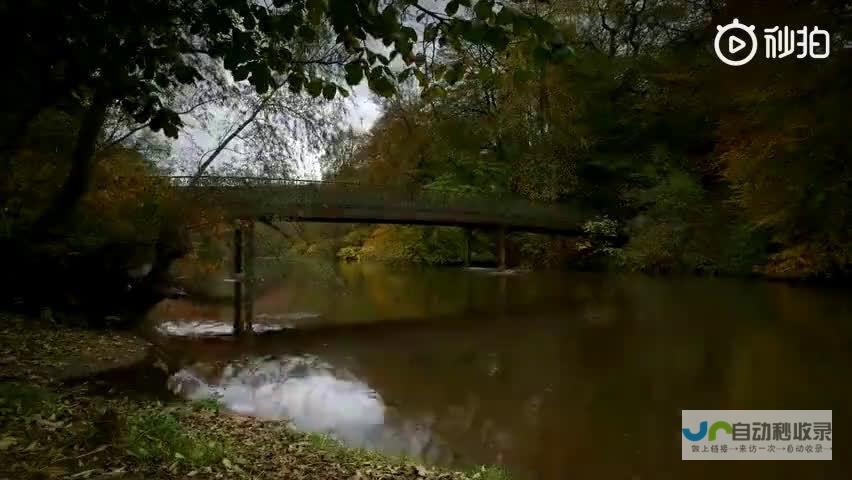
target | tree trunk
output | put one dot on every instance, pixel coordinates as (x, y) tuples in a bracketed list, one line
[(18, 131), (82, 166)]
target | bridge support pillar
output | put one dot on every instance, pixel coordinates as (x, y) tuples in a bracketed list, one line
[(238, 278), (250, 256), (468, 238), (244, 282), (501, 248)]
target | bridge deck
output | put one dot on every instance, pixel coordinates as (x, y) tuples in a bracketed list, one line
[(308, 201)]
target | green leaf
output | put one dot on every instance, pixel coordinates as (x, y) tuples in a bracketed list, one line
[(260, 84), (455, 73), (354, 73), (405, 74), (295, 82), (484, 9), (390, 19), (240, 73), (261, 77), (162, 80), (314, 87), (541, 54), (497, 38), (329, 91), (506, 16), (452, 8), (186, 74), (249, 22), (307, 33), (316, 11), (541, 27), (563, 53), (170, 130), (408, 33), (380, 83), (287, 24), (434, 91), (520, 25)]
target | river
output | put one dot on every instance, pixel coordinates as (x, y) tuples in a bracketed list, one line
[(553, 375)]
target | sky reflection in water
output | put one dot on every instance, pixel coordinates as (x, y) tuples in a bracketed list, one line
[(311, 394)]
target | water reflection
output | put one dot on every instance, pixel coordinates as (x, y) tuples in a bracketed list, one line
[(205, 328), (314, 396), (588, 381)]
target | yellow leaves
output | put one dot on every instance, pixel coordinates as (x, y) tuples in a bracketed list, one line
[(58, 472), (684, 77), (810, 258), (7, 442)]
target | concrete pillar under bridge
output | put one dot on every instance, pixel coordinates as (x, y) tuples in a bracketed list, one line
[(468, 239), (501, 248), (243, 277)]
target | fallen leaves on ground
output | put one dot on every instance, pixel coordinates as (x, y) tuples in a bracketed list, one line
[(51, 430), (42, 352)]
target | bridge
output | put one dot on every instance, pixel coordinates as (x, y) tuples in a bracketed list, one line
[(344, 202), (247, 199)]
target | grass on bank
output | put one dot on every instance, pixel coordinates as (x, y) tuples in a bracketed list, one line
[(157, 436), (50, 434)]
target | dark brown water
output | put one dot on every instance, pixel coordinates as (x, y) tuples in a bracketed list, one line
[(554, 375)]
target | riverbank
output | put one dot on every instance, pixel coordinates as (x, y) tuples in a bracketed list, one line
[(54, 427)]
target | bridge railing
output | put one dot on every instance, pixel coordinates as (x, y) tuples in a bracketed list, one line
[(263, 193), (244, 181)]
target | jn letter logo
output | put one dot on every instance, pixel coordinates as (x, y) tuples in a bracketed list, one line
[(703, 430)]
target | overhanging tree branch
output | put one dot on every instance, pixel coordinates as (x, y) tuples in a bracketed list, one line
[(224, 143)]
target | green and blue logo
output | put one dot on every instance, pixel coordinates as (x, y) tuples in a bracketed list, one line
[(703, 431)]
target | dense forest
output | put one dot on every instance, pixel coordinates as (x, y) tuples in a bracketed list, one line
[(691, 165)]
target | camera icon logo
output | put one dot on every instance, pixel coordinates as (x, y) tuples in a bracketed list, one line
[(741, 37)]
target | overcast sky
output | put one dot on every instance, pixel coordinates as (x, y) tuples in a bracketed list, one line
[(362, 111)]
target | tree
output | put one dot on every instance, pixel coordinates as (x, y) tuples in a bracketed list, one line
[(699, 165), (92, 55)]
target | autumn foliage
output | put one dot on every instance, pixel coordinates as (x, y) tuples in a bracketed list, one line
[(703, 167)]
